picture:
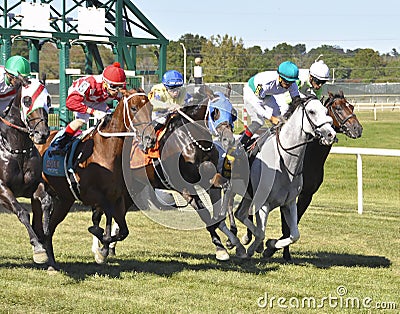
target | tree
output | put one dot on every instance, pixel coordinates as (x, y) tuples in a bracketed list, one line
[(367, 65)]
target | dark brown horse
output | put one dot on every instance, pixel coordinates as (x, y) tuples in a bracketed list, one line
[(344, 121), (99, 171), (24, 123), (188, 163)]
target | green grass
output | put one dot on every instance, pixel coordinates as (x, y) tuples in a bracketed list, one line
[(161, 270)]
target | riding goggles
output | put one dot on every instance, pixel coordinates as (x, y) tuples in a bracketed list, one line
[(113, 87), (174, 88), (286, 82), (318, 82)]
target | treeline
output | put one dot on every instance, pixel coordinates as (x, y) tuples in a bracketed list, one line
[(225, 59)]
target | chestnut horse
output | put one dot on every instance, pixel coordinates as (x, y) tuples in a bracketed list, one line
[(344, 121), (99, 171), (23, 123)]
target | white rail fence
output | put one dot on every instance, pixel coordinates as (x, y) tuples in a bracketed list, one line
[(363, 151)]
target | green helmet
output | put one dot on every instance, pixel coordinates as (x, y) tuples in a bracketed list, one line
[(16, 65)]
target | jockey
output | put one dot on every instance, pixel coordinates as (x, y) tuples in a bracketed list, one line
[(89, 96), (319, 75), (15, 65), (170, 92), (258, 96)]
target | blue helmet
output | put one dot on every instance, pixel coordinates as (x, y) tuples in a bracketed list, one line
[(288, 71), (172, 79)]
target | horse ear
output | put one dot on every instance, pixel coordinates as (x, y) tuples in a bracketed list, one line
[(330, 94), (341, 94)]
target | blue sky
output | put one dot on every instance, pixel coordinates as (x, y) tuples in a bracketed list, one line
[(346, 23)]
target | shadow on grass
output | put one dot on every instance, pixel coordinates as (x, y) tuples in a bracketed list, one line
[(168, 265), (329, 259)]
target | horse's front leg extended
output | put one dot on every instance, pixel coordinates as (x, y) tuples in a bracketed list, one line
[(101, 254), (290, 213), (8, 200), (211, 225), (233, 240), (242, 213)]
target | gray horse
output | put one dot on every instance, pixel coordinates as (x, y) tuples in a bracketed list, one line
[(276, 173)]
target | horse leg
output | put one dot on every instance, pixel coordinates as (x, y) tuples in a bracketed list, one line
[(303, 201), (290, 214), (58, 214), (114, 231), (242, 213), (96, 230), (232, 222), (119, 229), (9, 201), (46, 205), (246, 239), (227, 201), (221, 253)]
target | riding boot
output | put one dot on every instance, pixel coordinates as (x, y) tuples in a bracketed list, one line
[(61, 142)]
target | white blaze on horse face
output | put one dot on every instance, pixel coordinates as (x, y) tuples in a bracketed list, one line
[(318, 114)]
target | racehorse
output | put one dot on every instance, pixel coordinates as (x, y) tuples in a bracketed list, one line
[(23, 123), (344, 121), (276, 172), (188, 164), (98, 171)]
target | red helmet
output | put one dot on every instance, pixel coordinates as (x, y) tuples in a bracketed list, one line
[(114, 74)]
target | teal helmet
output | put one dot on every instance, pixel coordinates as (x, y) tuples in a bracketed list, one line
[(288, 71), (17, 65)]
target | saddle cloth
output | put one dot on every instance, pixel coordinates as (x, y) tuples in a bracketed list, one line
[(139, 159)]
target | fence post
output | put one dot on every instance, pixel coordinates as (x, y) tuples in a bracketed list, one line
[(359, 184)]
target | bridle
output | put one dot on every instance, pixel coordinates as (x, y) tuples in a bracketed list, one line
[(312, 137), (128, 121), (342, 122), (191, 137)]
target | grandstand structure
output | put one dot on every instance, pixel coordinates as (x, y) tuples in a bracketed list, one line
[(87, 23)]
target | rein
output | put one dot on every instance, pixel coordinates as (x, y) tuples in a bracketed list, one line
[(204, 149), (14, 126), (128, 127)]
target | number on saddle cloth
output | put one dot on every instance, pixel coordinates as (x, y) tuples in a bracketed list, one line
[(58, 163)]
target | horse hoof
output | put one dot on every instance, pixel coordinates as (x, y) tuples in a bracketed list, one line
[(287, 257), (51, 270), (241, 253), (260, 248), (40, 257), (271, 244), (229, 244), (221, 254), (268, 252), (99, 257), (245, 239)]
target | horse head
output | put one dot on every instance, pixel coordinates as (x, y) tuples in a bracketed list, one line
[(315, 120), (136, 111), (342, 113), (220, 119), (31, 107)]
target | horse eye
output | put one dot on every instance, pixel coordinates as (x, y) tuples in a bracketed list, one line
[(27, 101), (312, 112)]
